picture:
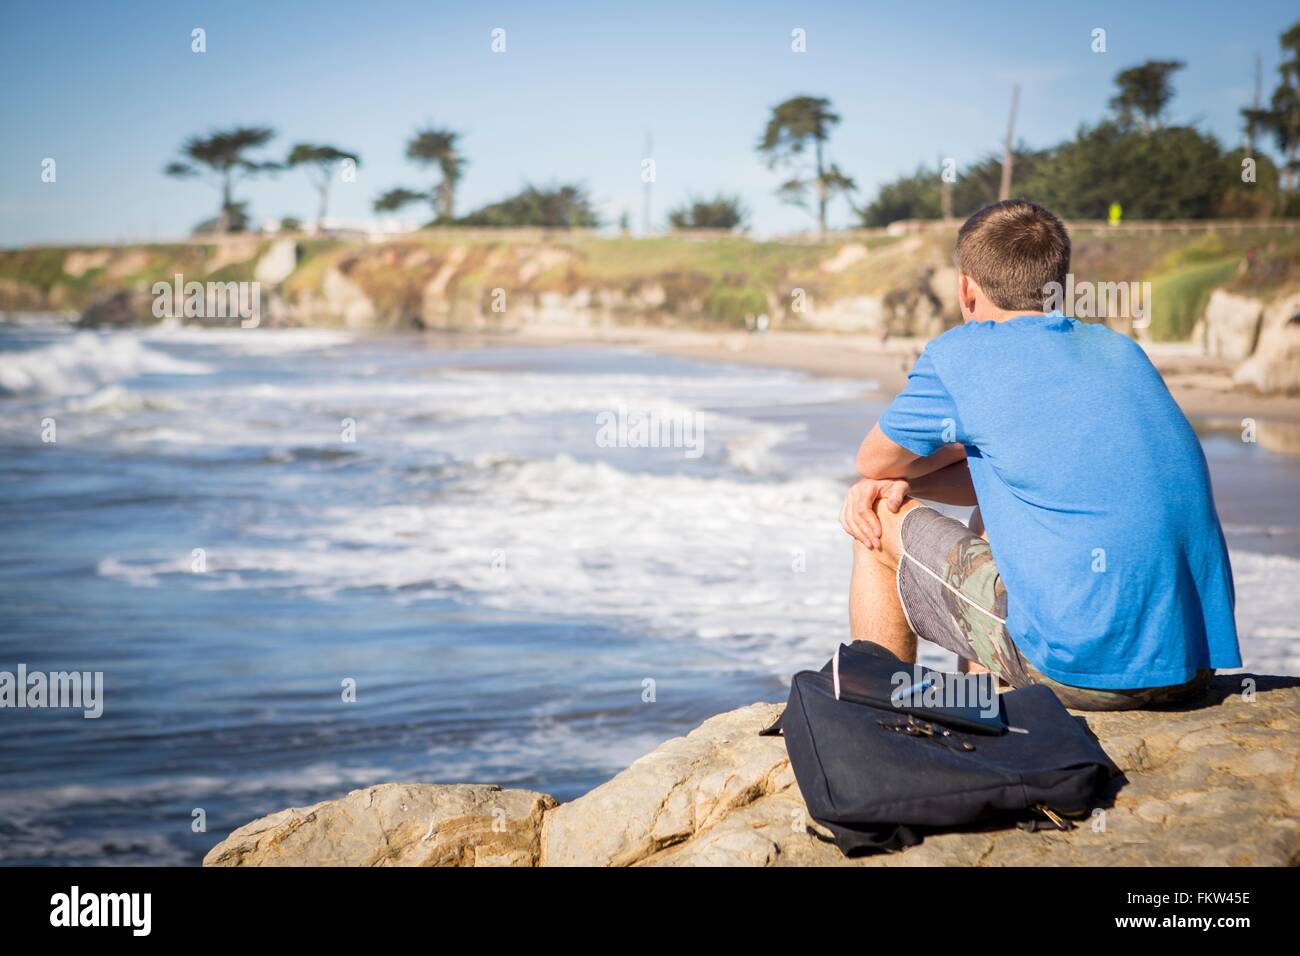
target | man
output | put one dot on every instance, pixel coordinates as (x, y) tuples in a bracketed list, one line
[(1103, 571)]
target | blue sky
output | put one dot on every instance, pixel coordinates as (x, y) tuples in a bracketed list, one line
[(110, 90)]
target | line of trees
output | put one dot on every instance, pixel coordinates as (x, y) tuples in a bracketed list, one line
[(227, 158), (1132, 157), (223, 159)]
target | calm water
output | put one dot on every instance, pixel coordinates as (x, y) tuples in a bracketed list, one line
[(449, 530)]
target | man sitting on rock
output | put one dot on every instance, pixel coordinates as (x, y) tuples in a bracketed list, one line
[(1103, 572)]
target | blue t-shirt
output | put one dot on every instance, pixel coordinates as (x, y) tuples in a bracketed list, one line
[(1095, 496)]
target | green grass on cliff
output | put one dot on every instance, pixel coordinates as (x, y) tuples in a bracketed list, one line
[(705, 280), (1179, 297)]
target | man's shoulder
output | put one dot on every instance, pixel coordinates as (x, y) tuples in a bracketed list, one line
[(957, 340)]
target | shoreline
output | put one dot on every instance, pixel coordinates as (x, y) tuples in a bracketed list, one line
[(1203, 387)]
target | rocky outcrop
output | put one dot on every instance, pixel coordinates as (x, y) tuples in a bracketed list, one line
[(1275, 364), (1230, 326), (346, 302), (277, 263), (122, 308), (396, 824), (1213, 784), (16, 295)]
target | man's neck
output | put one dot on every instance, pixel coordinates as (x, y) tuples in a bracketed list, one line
[(1004, 316)]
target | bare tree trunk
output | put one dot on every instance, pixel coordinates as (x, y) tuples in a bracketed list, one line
[(821, 193), (1008, 154), (445, 200), (1250, 123), (324, 189), (224, 218)]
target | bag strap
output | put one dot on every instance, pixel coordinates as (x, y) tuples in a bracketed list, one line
[(774, 728)]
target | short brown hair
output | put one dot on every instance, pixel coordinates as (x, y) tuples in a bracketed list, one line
[(1013, 249)]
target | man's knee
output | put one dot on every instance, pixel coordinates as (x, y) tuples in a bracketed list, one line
[(890, 549), (891, 526)]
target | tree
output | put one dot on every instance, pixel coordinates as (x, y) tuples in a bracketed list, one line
[(1171, 173), (561, 206), (430, 147), (395, 199), (793, 126), (919, 195), (320, 162), (1144, 92), (980, 183), (915, 196), (720, 212), (1282, 119), (437, 147), (222, 155)]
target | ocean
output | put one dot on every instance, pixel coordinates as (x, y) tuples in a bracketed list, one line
[(306, 562)]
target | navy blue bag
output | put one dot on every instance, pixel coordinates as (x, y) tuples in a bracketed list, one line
[(879, 779)]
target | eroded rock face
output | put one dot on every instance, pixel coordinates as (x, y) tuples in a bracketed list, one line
[(1231, 325), (277, 263), (345, 301), (1214, 784), (124, 307), (396, 824), (1275, 364), (685, 787)]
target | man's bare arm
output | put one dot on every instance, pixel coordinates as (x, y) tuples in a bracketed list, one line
[(949, 486), (880, 457)]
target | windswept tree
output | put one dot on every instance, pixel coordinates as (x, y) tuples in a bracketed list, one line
[(1144, 92), (796, 126), (222, 157), (721, 212), (321, 163), (433, 148)]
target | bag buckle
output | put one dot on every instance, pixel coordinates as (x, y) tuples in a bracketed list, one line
[(1047, 811), (915, 727)]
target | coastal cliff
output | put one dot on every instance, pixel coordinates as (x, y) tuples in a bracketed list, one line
[(1232, 295), (1216, 783)]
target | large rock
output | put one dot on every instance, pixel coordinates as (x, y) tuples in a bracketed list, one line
[(1231, 325), (346, 301), (16, 295), (856, 313), (1275, 364), (1213, 784), (396, 824), (277, 263), (123, 307)]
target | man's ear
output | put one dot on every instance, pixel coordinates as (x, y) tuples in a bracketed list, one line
[(966, 292)]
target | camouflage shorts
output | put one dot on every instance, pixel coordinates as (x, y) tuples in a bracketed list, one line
[(953, 596)]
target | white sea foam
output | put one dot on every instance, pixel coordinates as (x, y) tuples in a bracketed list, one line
[(246, 341), (762, 566), (84, 363)]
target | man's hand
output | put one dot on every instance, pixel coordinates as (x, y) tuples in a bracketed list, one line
[(858, 516)]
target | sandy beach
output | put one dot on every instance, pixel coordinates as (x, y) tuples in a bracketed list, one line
[(1203, 387)]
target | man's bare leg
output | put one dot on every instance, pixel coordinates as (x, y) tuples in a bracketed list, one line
[(875, 613), (965, 666)]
